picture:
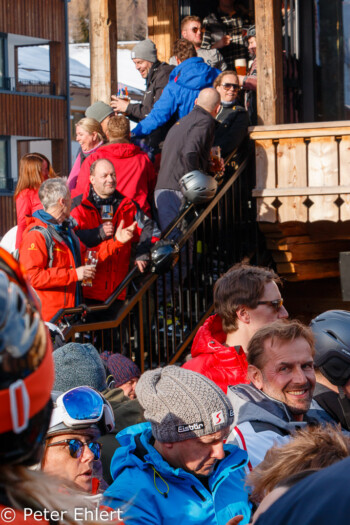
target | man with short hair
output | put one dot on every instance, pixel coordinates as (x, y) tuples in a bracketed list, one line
[(136, 175), (175, 467), (186, 148), (278, 400), (87, 210), (51, 252), (191, 30), (156, 74), (245, 299), (185, 82)]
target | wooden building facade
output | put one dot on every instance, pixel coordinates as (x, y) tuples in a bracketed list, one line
[(34, 115)]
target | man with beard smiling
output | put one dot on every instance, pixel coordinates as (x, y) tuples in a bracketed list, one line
[(278, 400)]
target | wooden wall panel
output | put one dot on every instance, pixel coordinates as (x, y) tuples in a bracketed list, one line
[(33, 116), (37, 18), (7, 213), (163, 25)]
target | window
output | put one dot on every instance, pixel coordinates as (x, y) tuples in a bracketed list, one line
[(3, 61), (6, 182)]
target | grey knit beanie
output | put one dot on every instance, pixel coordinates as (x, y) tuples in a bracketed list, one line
[(99, 111), (76, 365), (181, 404), (145, 50)]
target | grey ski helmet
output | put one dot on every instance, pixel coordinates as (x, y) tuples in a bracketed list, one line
[(198, 187), (332, 343)]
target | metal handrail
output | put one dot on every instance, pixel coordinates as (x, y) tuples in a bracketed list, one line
[(83, 308)]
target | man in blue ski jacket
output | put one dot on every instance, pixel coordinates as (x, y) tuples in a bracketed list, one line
[(185, 82), (175, 468)]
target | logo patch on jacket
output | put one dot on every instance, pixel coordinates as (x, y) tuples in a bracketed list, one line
[(32, 247), (190, 427)]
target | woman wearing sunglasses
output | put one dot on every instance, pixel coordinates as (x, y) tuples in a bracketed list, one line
[(72, 451), (232, 116)]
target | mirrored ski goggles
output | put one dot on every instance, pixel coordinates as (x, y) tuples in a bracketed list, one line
[(82, 406), (76, 447)]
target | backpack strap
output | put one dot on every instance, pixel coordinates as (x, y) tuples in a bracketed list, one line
[(48, 240)]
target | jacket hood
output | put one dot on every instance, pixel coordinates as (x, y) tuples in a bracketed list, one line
[(193, 73), (210, 338), (250, 404), (120, 150)]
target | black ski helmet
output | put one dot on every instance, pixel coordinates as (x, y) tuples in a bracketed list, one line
[(332, 344), (26, 369), (164, 255), (198, 187)]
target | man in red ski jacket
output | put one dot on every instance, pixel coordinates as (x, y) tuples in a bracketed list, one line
[(91, 230), (136, 175), (245, 299)]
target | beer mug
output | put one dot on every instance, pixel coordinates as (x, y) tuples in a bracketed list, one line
[(107, 212), (241, 66)]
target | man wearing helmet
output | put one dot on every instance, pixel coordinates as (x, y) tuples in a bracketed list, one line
[(332, 364), (80, 416)]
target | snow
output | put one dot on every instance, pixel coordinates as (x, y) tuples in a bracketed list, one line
[(34, 65)]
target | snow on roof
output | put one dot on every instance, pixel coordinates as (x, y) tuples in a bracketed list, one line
[(34, 65)]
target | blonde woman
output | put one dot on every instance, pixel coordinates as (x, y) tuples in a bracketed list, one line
[(90, 136)]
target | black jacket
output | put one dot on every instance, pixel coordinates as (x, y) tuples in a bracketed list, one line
[(186, 148), (157, 79), (232, 131)]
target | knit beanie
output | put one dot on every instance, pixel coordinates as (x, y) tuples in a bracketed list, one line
[(181, 404), (120, 367), (145, 50), (76, 365), (99, 111)]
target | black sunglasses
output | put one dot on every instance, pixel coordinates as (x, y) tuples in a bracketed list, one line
[(76, 447), (276, 304), (227, 86)]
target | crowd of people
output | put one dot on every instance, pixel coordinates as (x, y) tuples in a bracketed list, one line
[(255, 424)]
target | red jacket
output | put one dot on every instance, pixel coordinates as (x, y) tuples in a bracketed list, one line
[(222, 364), (55, 286), (27, 202), (110, 273), (135, 173)]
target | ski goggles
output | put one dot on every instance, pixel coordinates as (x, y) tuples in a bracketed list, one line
[(82, 407), (76, 447)]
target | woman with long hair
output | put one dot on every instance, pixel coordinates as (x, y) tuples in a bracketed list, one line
[(90, 136), (34, 168)]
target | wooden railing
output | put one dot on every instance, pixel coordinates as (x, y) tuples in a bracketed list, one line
[(303, 195), (302, 172)]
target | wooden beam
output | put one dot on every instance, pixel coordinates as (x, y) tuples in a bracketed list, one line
[(269, 61), (163, 26), (103, 44)]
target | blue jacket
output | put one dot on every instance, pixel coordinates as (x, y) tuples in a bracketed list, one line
[(148, 490), (185, 83)]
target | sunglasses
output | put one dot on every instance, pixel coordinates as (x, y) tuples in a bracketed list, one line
[(228, 86), (76, 446), (196, 30), (276, 304)]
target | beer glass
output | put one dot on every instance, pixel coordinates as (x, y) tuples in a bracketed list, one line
[(91, 258)]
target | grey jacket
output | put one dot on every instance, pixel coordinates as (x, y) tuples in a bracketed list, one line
[(261, 422)]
